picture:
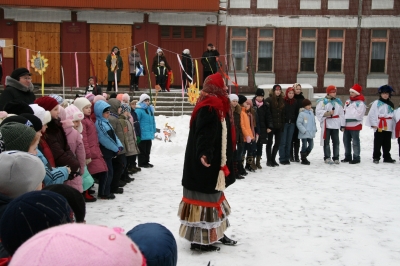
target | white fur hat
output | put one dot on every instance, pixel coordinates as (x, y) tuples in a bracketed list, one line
[(143, 97), (159, 50), (186, 51), (40, 113), (233, 97)]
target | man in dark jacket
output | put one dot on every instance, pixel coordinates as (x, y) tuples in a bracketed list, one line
[(209, 61), (19, 87)]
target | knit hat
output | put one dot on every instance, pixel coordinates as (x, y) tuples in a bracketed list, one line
[(42, 114), (186, 51), (249, 102), (81, 102), (385, 89), (90, 97), (119, 97), (73, 113), (233, 97), (19, 72), (78, 244), (143, 97), (36, 122), (18, 107), (46, 102), (30, 214), (99, 98), (356, 89), (21, 172), (159, 50), (17, 119), (156, 242), (57, 97), (260, 92), (125, 98), (74, 198), (330, 89), (276, 87), (17, 136), (306, 102), (242, 99), (125, 108)]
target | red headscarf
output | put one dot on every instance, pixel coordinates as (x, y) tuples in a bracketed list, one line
[(289, 101)]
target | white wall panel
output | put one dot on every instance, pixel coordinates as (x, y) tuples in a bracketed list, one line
[(272, 4), (239, 3), (338, 4), (37, 15)]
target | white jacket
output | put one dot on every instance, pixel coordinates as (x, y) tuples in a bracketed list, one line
[(354, 112), (325, 105), (380, 115)]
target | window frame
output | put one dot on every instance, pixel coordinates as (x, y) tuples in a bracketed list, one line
[(308, 39), (335, 39), (263, 39), (233, 38), (376, 39)]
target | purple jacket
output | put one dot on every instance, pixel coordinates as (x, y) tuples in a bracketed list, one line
[(92, 147)]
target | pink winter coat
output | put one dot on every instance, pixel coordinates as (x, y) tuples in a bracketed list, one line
[(92, 147)]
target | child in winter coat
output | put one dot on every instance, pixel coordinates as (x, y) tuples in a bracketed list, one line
[(354, 111), (237, 154), (56, 138), (75, 144), (136, 125), (110, 146), (161, 75), (288, 128), (306, 126), (380, 118), (96, 165), (329, 112), (247, 124), (129, 140)]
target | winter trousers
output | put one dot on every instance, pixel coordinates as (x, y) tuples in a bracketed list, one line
[(295, 147), (348, 137), (206, 74), (382, 140), (105, 179), (119, 164), (272, 151), (286, 141), (134, 80), (145, 149), (307, 145), (259, 149), (111, 86), (334, 135)]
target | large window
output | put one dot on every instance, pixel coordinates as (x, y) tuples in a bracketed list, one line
[(239, 47), (335, 50), (265, 50), (379, 41), (308, 42)]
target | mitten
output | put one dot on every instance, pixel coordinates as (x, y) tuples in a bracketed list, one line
[(88, 161)]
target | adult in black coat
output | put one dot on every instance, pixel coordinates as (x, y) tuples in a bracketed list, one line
[(209, 61), (187, 64), (264, 122), (18, 87), (295, 148), (208, 164), (276, 106)]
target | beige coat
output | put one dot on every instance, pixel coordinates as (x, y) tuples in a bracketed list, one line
[(129, 139)]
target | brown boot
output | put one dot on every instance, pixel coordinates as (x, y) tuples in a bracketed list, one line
[(258, 162)]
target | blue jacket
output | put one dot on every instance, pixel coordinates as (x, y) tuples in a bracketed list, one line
[(146, 119), (107, 137), (56, 175), (306, 124)]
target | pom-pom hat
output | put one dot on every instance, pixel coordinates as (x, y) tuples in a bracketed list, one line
[(357, 89)]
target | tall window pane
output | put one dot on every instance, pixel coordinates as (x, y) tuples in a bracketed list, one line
[(265, 56), (378, 56), (307, 56), (335, 57), (239, 54)]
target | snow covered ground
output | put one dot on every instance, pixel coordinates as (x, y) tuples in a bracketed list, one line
[(288, 215)]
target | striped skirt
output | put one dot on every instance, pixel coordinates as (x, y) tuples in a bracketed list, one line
[(204, 217)]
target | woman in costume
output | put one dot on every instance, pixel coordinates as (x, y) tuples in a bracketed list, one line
[(208, 169), (114, 65)]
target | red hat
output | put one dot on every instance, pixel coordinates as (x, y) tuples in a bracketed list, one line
[(356, 89), (47, 103), (288, 90), (330, 89)]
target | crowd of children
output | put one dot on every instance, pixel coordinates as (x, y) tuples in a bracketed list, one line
[(282, 122)]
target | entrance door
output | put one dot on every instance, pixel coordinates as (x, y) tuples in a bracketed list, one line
[(178, 38)]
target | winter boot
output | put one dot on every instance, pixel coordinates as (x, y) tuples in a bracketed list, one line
[(304, 158), (273, 156), (249, 161), (258, 162), (253, 165), (236, 170), (88, 197), (269, 159), (291, 159), (296, 147), (241, 167)]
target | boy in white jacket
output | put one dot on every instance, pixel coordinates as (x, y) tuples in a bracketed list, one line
[(380, 118), (329, 112), (354, 111)]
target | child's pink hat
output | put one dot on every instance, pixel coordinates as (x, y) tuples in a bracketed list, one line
[(99, 98), (73, 113), (78, 244)]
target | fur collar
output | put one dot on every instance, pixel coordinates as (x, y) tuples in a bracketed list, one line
[(18, 85)]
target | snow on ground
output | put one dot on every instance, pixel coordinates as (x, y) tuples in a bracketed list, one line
[(288, 215)]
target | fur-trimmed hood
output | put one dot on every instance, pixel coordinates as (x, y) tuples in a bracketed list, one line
[(18, 85)]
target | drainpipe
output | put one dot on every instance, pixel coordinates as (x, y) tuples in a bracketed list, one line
[(360, 2)]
